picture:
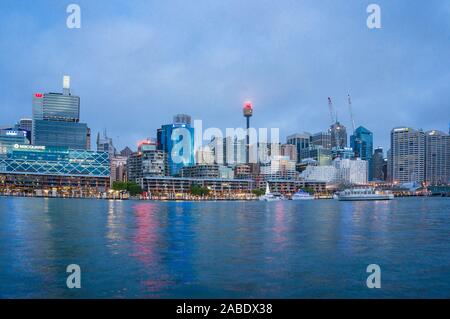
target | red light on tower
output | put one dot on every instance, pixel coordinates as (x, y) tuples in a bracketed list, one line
[(38, 95), (248, 109)]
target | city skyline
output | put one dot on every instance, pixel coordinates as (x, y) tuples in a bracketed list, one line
[(148, 67)]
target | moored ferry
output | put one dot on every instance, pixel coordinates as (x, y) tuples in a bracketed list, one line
[(366, 193)]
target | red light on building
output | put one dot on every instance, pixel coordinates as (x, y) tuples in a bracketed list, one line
[(38, 95)]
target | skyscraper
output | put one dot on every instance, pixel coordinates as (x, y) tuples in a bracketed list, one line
[(56, 119), (338, 134), (105, 144), (322, 139), (301, 141), (437, 157), (407, 155), (177, 141), (362, 143), (377, 165)]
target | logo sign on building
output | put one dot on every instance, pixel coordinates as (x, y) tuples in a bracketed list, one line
[(29, 147)]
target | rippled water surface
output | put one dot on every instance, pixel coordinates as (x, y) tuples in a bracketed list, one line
[(145, 249)]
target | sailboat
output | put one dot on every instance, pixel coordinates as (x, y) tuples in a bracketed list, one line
[(271, 197)]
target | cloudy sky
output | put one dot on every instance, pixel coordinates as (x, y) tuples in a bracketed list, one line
[(136, 63)]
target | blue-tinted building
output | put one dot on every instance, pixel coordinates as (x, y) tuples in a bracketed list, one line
[(9, 137), (362, 143), (177, 140), (60, 134), (39, 167)]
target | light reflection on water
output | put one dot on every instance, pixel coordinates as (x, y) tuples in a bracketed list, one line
[(224, 249)]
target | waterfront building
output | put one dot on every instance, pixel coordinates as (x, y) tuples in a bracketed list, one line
[(178, 133), (280, 167), (353, 172), (242, 171), (201, 171), (226, 172), (325, 173), (437, 158), (378, 165), (148, 161), (338, 134), (28, 168), (56, 119), (322, 139), (176, 187), (407, 155), (301, 141)]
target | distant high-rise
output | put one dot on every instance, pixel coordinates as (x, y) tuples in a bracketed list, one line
[(407, 155), (56, 119), (322, 139), (362, 143), (378, 165), (177, 141), (105, 144), (301, 141), (338, 134), (437, 157)]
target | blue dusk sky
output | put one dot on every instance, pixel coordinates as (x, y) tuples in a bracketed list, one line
[(137, 63)]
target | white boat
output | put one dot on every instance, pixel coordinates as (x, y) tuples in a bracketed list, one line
[(366, 193), (302, 195), (271, 197)]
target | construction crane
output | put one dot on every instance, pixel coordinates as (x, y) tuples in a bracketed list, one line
[(334, 121), (351, 112)]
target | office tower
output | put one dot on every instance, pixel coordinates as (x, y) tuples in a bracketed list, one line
[(177, 141), (338, 134), (118, 168), (362, 143), (322, 139), (437, 157), (56, 119), (407, 155), (105, 144), (378, 165), (148, 161), (248, 112), (301, 141), (289, 150)]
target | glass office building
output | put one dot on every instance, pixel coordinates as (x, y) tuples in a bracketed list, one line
[(31, 167), (177, 141), (60, 134), (56, 119), (362, 143)]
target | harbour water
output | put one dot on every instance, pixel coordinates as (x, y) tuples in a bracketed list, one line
[(288, 249)]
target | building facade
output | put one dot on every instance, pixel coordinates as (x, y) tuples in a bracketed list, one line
[(437, 158), (31, 167), (177, 141), (407, 155)]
